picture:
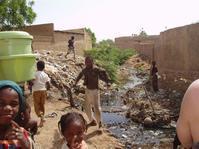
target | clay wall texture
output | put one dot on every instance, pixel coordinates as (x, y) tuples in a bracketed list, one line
[(176, 52), (46, 38), (143, 45)]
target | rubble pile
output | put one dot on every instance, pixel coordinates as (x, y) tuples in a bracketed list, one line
[(146, 107), (63, 73), (157, 110)]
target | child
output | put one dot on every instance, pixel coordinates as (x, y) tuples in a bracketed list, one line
[(11, 105), (71, 47), (154, 71), (40, 84), (92, 75), (73, 126), (27, 122)]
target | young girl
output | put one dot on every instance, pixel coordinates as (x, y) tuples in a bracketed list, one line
[(11, 105), (73, 126)]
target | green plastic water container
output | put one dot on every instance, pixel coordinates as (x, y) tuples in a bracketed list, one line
[(18, 68), (15, 42)]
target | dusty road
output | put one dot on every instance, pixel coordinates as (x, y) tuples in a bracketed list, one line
[(48, 137)]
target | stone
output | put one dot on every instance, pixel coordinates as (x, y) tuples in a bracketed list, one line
[(148, 121)]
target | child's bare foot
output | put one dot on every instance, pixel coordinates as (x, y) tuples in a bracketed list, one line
[(41, 124), (100, 124), (93, 123)]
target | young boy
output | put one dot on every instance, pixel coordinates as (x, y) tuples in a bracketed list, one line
[(71, 47), (41, 83), (91, 80)]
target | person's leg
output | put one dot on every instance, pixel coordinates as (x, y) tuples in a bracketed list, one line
[(42, 101), (74, 53), (155, 83), (36, 98), (97, 107), (42, 106), (68, 52), (88, 105)]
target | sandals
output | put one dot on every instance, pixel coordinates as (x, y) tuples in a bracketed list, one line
[(51, 115)]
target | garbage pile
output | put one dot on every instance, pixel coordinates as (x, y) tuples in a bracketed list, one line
[(63, 73), (153, 110)]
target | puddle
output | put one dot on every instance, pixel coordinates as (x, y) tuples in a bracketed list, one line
[(113, 119)]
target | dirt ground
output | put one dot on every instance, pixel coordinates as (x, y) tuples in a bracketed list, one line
[(48, 137)]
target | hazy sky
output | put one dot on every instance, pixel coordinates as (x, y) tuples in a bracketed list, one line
[(114, 18)]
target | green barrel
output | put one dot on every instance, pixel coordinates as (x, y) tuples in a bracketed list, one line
[(17, 62)]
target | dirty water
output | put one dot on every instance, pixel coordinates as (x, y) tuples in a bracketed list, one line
[(128, 132)]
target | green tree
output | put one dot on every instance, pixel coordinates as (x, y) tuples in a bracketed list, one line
[(104, 44), (15, 14), (108, 56), (143, 33), (93, 38)]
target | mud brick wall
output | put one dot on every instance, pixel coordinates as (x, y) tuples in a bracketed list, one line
[(143, 45), (177, 53), (43, 35), (45, 38)]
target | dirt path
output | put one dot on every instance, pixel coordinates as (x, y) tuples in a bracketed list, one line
[(49, 136)]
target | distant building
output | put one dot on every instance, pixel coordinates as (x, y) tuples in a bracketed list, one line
[(46, 38)]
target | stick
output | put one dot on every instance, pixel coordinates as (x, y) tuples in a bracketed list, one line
[(149, 99), (69, 92)]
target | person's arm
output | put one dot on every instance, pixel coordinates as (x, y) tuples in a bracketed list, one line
[(187, 124), (78, 77), (48, 85), (20, 134), (47, 82), (184, 133), (104, 77)]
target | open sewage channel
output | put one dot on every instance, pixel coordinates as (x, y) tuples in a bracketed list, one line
[(127, 131)]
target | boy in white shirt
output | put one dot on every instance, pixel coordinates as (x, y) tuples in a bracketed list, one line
[(41, 83)]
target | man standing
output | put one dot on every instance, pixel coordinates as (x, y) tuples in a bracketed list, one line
[(91, 80), (71, 47), (154, 76)]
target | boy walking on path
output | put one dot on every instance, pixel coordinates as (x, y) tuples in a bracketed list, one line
[(91, 80), (71, 47), (40, 84)]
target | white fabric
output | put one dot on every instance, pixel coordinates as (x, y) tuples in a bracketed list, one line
[(93, 100), (40, 81)]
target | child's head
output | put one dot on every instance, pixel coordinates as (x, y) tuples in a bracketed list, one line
[(153, 63), (11, 101), (40, 65), (89, 62), (72, 37), (72, 126), (25, 115)]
